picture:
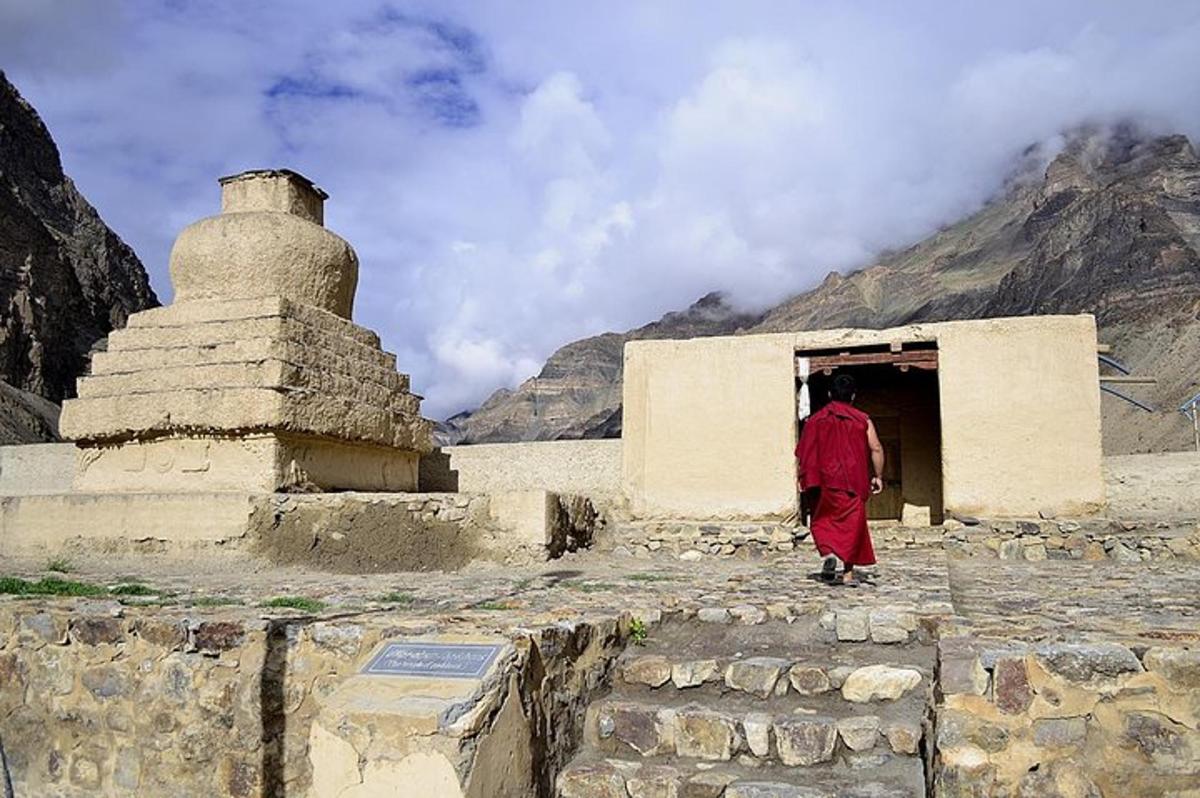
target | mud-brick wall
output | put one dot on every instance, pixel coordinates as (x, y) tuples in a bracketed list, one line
[(1058, 719)]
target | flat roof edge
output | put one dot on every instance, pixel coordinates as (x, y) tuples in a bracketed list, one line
[(917, 331)]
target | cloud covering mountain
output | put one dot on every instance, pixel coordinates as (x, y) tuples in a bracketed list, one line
[(516, 176)]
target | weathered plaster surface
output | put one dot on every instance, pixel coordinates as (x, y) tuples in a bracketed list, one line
[(709, 424), (591, 467)]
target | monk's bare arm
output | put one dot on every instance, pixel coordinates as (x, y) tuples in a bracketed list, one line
[(877, 458)]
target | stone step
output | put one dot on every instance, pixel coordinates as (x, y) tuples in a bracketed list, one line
[(867, 776), (770, 676), (791, 737)]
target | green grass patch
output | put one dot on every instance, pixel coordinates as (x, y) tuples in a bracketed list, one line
[(49, 586), (133, 589), (295, 603), (395, 598), (59, 565), (215, 601)]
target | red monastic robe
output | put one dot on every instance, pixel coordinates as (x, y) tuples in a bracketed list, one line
[(834, 457)]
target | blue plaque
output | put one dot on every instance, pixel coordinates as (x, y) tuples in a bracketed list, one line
[(437, 660)]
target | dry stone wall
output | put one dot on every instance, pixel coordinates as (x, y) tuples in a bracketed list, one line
[(97, 699), (1070, 719)]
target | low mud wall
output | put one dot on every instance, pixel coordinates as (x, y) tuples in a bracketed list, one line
[(37, 468), (97, 699), (336, 532), (377, 533), (587, 467)]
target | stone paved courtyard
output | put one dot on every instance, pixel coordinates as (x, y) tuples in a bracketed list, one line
[(1018, 659), (1028, 600)]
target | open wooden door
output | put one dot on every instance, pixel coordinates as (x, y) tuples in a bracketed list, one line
[(890, 503)]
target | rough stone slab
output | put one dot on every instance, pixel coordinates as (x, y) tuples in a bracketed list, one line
[(770, 789), (756, 675), (654, 781), (809, 680), (853, 625), (961, 669), (704, 734), (891, 625), (694, 673), (803, 742), (646, 729), (756, 727), (371, 386), (879, 683), (262, 374), (1082, 662), (1180, 667), (859, 732), (1059, 732), (598, 780), (1011, 691), (706, 784), (903, 737), (652, 670), (714, 615)]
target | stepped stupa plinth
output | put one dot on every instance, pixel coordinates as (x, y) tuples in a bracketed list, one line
[(255, 378)]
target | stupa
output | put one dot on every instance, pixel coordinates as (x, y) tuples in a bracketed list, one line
[(255, 378)]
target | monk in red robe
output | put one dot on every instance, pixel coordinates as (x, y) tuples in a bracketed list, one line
[(835, 457)]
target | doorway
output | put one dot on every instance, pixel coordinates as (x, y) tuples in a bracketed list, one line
[(897, 386)]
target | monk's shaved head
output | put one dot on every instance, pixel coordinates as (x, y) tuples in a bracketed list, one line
[(843, 388)]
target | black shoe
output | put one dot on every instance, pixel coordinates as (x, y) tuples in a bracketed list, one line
[(829, 570)]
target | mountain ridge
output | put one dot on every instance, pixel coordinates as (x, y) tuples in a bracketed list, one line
[(1110, 226)]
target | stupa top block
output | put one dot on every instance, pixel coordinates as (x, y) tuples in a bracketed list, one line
[(268, 241), (273, 190)]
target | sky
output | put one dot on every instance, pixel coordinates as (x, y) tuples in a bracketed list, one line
[(518, 175)]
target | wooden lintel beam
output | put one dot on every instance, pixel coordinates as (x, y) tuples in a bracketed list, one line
[(924, 358)]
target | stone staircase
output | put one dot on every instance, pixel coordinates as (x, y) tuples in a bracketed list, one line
[(774, 710)]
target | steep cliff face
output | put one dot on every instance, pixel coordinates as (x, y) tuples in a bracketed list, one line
[(66, 279), (1111, 227)]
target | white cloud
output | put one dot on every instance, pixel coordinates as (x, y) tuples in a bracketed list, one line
[(516, 180)]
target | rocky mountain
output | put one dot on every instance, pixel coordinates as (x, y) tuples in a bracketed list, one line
[(1111, 227), (577, 394), (66, 279)]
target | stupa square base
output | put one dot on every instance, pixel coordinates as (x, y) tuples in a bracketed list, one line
[(257, 463)]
